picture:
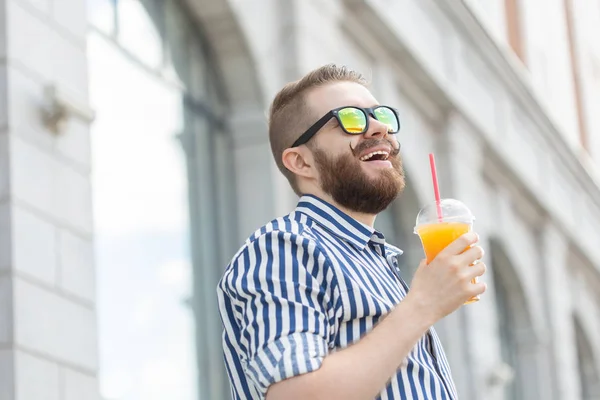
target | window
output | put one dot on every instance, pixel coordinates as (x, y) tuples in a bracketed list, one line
[(514, 28), (162, 185), (519, 345), (589, 379), (508, 341), (575, 71)]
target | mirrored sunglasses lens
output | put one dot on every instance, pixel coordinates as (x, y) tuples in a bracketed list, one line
[(353, 120), (388, 117)]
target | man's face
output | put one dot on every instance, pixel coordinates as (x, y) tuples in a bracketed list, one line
[(359, 184)]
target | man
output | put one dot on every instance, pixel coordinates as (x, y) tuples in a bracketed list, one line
[(313, 304)]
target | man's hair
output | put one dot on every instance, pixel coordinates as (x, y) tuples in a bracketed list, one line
[(290, 115)]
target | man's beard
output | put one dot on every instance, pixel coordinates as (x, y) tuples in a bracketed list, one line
[(345, 181)]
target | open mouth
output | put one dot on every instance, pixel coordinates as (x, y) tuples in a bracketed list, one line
[(376, 156)]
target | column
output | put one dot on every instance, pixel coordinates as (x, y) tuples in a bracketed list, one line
[(48, 339), (472, 331), (255, 171), (559, 303)]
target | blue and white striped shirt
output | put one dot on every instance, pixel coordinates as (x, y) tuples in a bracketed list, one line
[(310, 283)]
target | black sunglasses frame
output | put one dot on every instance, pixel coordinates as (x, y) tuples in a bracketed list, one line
[(310, 132)]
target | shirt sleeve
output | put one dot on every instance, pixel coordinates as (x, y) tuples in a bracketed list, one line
[(276, 285)]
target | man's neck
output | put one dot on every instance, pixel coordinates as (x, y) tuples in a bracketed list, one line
[(367, 219)]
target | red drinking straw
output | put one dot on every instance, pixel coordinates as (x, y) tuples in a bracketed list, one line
[(436, 188)]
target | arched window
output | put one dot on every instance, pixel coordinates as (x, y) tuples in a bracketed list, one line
[(589, 378), (518, 341), (163, 201), (507, 332)]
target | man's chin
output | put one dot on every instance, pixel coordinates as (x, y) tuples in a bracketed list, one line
[(361, 186), (381, 170)]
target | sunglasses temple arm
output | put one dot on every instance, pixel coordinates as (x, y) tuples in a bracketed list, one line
[(310, 132)]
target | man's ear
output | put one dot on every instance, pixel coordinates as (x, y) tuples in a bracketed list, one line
[(299, 161)]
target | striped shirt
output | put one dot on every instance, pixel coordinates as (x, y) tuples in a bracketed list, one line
[(310, 283)]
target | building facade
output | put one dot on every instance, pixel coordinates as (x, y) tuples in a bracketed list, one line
[(134, 160)]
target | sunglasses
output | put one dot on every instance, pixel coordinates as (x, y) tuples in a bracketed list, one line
[(354, 121)]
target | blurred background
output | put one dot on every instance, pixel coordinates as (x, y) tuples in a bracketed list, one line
[(134, 161)]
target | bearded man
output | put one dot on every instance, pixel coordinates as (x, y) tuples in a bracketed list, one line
[(314, 305)]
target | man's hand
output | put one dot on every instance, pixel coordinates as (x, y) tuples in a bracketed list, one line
[(442, 286)]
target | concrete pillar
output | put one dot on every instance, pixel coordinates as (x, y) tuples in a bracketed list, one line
[(48, 340), (559, 301), (255, 173), (472, 343)]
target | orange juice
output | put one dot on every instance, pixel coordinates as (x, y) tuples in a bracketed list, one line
[(437, 236)]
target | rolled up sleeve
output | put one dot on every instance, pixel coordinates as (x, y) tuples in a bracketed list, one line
[(277, 289)]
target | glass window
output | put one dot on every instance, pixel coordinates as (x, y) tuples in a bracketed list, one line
[(162, 180), (137, 32), (141, 214), (198, 73), (225, 195), (177, 37), (101, 14), (508, 341), (589, 379)]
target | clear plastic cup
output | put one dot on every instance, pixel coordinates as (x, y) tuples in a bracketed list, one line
[(436, 235)]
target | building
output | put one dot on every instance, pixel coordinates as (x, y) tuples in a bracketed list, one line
[(134, 160)]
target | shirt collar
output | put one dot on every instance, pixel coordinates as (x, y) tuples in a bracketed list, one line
[(336, 221)]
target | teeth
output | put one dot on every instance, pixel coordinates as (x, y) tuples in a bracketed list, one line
[(367, 156)]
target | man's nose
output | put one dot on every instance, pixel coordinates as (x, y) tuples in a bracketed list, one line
[(376, 129)]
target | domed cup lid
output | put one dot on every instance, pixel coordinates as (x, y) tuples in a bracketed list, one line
[(452, 211)]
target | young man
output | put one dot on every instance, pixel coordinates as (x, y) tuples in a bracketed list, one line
[(313, 304)]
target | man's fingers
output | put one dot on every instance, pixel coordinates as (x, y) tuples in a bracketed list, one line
[(476, 270), (477, 288), (471, 255), (459, 245)]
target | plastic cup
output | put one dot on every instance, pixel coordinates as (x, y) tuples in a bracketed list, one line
[(437, 233)]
